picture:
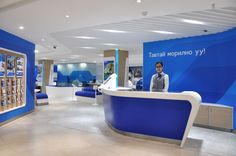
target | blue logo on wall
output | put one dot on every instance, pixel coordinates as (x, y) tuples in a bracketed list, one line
[(205, 64)]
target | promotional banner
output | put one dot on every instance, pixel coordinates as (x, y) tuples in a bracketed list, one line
[(2, 65), (11, 66), (19, 66), (205, 64)]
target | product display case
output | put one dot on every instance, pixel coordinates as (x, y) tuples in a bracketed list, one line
[(12, 78)]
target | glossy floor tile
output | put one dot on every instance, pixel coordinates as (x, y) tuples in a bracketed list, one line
[(77, 129)]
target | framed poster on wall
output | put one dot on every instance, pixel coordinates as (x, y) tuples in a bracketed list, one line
[(10, 66), (2, 65), (136, 74), (136, 71), (39, 75), (109, 68), (19, 66)]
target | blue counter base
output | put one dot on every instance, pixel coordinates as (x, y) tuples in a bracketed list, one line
[(153, 117), (141, 136)]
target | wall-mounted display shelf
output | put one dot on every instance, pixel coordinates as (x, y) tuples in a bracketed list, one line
[(12, 78)]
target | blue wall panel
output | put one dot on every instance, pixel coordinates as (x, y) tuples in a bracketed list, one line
[(205, 64), (14, 43)]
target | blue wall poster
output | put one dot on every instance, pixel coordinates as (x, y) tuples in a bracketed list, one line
[(109, 68), (19, 66), (10, 66), (2, 65), (205, 64)]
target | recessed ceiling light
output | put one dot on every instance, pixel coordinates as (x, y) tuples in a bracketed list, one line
[(83, 65), (110, 44), (193, 21), (86, 37), (44, 58), (88, 47), (163, 32), (75, 56), (101, 55), (67, 16), (113, 31), (139, 1), (63, 60), (21, 27), (42, 39), (36, 51)]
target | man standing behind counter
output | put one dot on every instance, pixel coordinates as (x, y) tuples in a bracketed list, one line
[(159, 81)]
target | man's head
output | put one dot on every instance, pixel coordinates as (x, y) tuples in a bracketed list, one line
[(159, 67)]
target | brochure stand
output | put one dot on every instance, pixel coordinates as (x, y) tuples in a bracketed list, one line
[(12, 78)]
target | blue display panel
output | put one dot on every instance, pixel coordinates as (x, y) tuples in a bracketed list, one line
[(205, 64), (11, 42)]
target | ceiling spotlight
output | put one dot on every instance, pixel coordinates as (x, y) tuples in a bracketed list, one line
[(193, 21), (110, 44), (163, 32), (213, 6), (36, 51), (113, 31), (144, 13), (88, 47), (139, 1), (85, 37), (21, 27), (42, 39), (67, 16)]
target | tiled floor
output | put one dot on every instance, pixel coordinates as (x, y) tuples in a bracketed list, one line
[(75, 129)]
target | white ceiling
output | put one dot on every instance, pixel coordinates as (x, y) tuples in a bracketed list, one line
[(45, 19)]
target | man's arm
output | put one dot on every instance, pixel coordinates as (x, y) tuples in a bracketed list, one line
[(166, 82)]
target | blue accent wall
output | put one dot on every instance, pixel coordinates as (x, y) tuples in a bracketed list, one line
[(205, 64), (14, 43)]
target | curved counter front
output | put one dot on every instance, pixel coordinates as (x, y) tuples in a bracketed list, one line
[(167, 116)]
